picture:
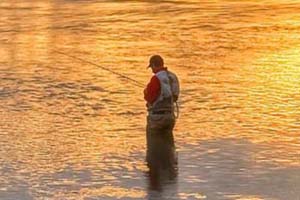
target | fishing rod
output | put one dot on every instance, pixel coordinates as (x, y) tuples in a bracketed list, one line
[(135, 82)]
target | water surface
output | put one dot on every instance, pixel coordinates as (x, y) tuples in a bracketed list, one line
[(71, 130)]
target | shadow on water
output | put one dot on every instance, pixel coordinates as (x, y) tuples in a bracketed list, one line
[(237, 169), (220, 169)]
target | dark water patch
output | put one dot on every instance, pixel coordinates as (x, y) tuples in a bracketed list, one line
[(224, 107), (71, 90), (7, 92), (150, 1), (129, 113), (19, 106), (120, 91), (186, 91), (19, 191), (227, 166), (69, 173), (264, 28), (11, 31), (206, 27), (119, 130), (227, 47), (73, 27), (97, 106), (57, 84), (93, 88), (202, 99), (108, 100), (16, 8)]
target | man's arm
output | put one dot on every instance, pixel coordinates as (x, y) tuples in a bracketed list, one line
[(152, 90)]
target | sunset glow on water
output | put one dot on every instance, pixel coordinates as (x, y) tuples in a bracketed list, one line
[(71, 130)]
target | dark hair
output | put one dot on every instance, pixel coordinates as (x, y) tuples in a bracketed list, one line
[(156, 61)]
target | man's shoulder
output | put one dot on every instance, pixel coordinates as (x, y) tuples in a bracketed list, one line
[(154, 78), (172, 74)]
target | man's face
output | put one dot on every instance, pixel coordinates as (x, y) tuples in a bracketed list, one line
[(153, 68)]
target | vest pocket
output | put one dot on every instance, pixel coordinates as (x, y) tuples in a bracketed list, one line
[(160, 121)]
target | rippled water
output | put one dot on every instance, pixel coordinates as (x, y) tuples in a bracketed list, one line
[(71, 130)]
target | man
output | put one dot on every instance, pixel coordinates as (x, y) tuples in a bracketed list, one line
[(161, 94)]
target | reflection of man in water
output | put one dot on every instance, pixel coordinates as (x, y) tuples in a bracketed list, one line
[(161, 93)]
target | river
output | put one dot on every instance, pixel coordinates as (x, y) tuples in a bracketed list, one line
[(71, 130)]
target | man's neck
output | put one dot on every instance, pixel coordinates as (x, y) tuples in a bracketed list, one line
[(159, 69)]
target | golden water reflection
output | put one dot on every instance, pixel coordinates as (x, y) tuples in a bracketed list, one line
[(70, 130)]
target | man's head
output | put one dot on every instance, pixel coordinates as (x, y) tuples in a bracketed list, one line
[(156, 61)]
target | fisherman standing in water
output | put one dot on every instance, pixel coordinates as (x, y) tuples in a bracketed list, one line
[(161, 95)]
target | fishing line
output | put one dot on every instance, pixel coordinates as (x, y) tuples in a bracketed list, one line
[(135, 82)]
